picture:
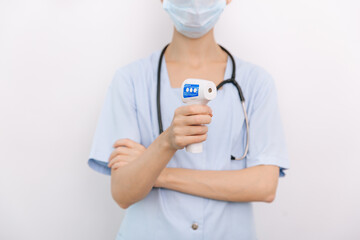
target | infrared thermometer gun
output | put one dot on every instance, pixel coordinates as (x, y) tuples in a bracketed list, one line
[(197, 91)]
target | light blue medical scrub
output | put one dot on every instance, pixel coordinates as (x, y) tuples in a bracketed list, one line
[(129, 111)]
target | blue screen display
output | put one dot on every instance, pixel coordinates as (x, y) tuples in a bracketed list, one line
[(191, 90)]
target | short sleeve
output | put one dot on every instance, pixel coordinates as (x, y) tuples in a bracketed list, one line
[(118, 119), (267, 145)]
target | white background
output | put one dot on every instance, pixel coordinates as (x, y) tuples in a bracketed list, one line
[(58, 57)]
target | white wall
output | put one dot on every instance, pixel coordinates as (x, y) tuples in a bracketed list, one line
[(58, 57)]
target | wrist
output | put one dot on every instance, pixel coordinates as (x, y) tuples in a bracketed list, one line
[(165, 141), (162, 179)]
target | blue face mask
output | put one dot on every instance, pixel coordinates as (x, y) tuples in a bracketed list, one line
[(194, 18)]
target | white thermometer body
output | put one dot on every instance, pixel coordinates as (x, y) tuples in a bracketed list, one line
[(197, 91)]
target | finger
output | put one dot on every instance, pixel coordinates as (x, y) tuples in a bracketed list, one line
[(139, 147), (125, 142), (120, 151), (118, 165), (196, 120), (191, 130), (118, 159), (194, 139), (193, 109), (182, 141)]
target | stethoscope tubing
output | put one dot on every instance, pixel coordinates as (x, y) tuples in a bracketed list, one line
[(231, 80)]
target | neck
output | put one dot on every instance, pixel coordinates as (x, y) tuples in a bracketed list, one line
[(194, 51)]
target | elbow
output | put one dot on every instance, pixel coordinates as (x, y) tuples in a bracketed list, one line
[(119, 201), (123, 194), (124, 206), (121, 204), (269, 186), (269, 192), (117, 197), (117, 193), (269, 198)]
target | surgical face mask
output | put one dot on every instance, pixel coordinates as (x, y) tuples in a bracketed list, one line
[(194, 18)]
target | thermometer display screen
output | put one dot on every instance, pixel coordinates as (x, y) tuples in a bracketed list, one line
[(191, 90)]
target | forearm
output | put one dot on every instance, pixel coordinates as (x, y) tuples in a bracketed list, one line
[(250, 184), (134, 181)]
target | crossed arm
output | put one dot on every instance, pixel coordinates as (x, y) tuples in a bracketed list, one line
[(130, 160), (257, 183)]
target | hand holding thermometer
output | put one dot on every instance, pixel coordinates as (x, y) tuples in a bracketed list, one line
[(197, 91)]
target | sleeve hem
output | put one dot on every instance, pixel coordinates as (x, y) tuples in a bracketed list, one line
[(99, 166), (270, 161)]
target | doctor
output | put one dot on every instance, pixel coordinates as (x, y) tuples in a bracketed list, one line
[(169, 193)]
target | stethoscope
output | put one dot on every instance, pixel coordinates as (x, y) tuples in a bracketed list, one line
[(231, 80)]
